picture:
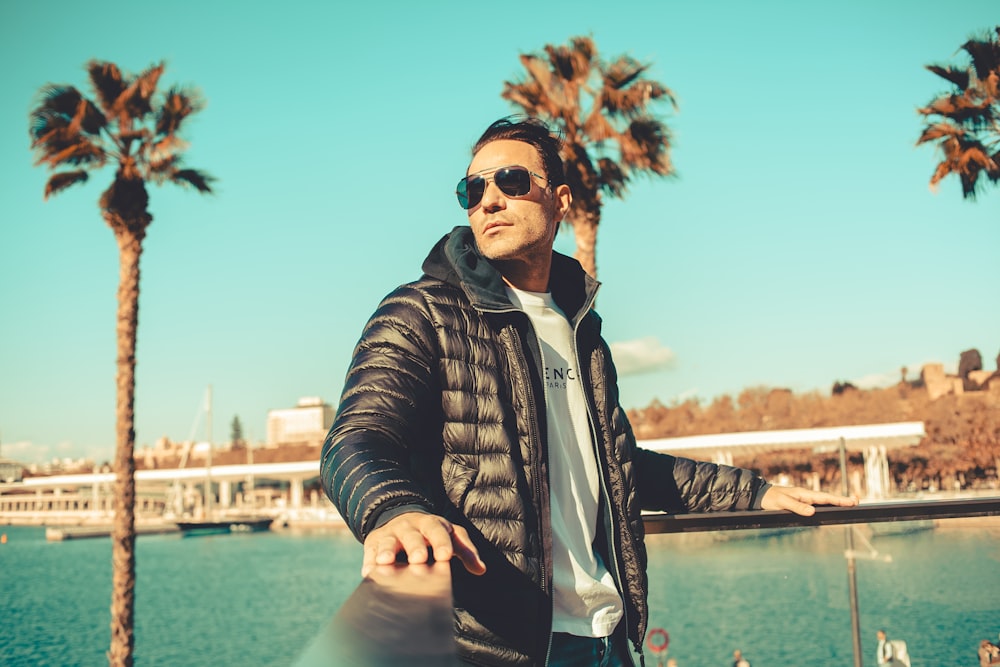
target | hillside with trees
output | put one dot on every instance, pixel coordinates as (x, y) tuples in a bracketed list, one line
[(961, 448)]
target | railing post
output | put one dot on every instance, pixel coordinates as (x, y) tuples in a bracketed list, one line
[(852, 579), (399, 615)]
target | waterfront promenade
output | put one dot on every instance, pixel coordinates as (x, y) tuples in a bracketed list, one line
[(271, 489), (277, 489)]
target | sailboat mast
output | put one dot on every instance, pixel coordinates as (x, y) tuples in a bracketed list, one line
[(208, 457)]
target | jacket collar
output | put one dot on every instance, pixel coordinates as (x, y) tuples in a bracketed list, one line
[(456, 260)]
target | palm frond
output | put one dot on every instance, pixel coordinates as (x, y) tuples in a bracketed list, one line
[(597, 127), (90, 117), (962, 109), (177, 105), (939, 131), (984, 52), (164, 149), (955, 75), (584, 57), (581, 174), (163, 167), (62, 180), (78, 152), (940, 172), (555, 91), (198, 179), (968, 159), (56, 107), (137, 134), (529, 96), (647, 146), (573, 63), (657, 91), (627, 102), (107, 81), (613, 177), (622, 72), (969, 181), (57, 139), (148, 80), (560, 60), (538, 70), (994, 174), (136, 100), (974, 158)]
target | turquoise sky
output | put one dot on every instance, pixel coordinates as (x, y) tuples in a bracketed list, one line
[(799, 246)]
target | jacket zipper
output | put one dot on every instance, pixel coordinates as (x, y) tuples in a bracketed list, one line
[(608, 526), (513, 340)]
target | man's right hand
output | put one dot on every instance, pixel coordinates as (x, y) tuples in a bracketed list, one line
[(413, 533)]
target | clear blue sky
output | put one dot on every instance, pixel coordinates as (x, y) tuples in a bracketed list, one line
[(799, 246)]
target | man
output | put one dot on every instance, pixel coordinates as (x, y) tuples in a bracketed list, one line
[(739, 660), (884, 653), (480, 420)]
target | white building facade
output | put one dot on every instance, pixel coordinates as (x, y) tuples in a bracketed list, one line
[(308, 422)]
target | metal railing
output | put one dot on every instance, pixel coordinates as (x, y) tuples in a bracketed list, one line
[(402, 614), (825, 516)]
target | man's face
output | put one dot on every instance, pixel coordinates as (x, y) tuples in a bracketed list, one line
[(516, 228)]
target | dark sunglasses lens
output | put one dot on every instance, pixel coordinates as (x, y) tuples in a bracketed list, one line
[(470, 191), (514, 182)]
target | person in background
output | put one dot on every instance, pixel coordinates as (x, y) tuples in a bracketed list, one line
[(480, 420), (989, 653), (883, 652), (739, 660), (891, 652)]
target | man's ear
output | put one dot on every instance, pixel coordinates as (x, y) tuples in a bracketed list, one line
[(564, 199)]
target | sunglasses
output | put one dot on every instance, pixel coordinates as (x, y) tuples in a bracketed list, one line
[(513, 181)]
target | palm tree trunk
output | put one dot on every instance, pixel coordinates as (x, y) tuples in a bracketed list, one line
[(585, 233), (123, 529)]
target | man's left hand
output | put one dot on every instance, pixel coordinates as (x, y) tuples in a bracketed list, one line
[(801, 501)]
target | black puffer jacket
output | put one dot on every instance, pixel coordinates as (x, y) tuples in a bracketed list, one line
[(443, 410)]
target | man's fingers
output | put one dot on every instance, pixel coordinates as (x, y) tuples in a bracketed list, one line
[(379, 549), (466, 551), (412, 533), (437, 533), (801, 508), (801, 501)]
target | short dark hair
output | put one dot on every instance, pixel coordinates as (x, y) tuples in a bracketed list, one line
[(532, 131)]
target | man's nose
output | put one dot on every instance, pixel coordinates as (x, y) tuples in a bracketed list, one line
[(493, 198)]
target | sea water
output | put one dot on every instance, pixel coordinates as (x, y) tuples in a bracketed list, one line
[(258, 599)]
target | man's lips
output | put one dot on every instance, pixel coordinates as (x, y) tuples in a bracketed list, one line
[(493, 225)]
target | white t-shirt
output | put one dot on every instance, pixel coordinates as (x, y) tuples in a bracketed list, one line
[(586, 602)]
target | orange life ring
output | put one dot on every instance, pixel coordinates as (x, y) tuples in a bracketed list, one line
[(657, 640)]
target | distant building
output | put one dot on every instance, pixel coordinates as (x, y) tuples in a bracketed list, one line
[(10, 471), (307, 422)]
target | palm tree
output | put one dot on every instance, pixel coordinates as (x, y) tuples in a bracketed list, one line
[(603, 110), (136, 129), (965, 122)]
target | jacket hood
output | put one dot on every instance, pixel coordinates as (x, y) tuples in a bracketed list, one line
[(456, 260)]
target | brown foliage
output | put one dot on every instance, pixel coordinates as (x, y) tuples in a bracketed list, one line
[(962, 441)]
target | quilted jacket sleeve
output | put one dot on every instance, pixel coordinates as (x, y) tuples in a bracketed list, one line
[(674, 484), (383, 414)]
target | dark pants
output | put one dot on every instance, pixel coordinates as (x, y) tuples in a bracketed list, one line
[(572, 651)]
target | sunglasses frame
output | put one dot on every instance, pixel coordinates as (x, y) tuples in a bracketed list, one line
[(488, 175)]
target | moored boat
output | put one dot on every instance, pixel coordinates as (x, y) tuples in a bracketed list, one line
[(224, 525)]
